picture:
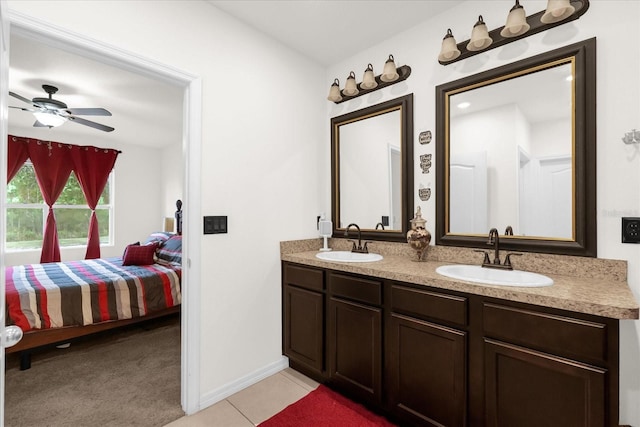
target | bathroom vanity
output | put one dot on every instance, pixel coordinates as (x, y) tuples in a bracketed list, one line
[(429, 350)]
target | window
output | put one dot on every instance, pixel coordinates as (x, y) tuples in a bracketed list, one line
[(27, 212)]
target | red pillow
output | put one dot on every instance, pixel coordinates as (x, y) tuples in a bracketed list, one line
[(139, 254)]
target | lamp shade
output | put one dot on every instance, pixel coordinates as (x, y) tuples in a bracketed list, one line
[(350, 87), (557, 10), (389, 72), (516, 22), (49, 119), (368, 80), (479, 36), (449, 49), (334, 92)]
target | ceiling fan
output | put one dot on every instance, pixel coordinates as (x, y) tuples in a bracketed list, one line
[(50, 112)]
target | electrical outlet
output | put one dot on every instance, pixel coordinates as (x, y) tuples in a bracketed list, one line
[(630, 230)]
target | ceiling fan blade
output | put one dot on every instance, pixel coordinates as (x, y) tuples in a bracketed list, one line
[(88, 111), (22, 108), (37, 124), (90, 123), (22, 98)]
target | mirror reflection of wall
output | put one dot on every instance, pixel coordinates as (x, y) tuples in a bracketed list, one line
[(511, 151), (369, 152)]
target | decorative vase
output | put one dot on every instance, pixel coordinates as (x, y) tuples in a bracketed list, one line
[(418, 237)]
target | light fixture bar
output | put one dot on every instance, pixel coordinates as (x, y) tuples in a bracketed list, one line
[(535, 26), (403, 71)]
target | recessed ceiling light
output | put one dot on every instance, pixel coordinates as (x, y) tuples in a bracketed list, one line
[(463, 105)]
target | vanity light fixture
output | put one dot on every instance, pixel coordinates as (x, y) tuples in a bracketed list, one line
[(518, 26), (350, 87), (389, 72), (557, 10), (516, 22), (390, 75), (479, 36), (334, 92), (449, 49), (368, 79)]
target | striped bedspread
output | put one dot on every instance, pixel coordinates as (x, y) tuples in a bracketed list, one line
[(41, 296)]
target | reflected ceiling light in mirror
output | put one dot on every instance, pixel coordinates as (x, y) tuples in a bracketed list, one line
[(479, 36), (463, 105), (516, 22), (557, 10), (389, 72), (449, 49), (350, 87), (49, 119), (369, 80), (334, 92)]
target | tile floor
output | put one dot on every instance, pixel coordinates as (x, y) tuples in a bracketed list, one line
[(254, 404)]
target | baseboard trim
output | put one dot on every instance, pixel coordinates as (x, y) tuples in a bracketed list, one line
[(214, 396)]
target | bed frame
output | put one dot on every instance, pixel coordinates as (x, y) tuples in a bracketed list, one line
[(43, 337)]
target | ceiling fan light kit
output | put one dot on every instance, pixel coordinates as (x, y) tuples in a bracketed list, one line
[(51, 112)]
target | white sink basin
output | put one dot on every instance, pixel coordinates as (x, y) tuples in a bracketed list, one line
[(347, 256), (492, 276)]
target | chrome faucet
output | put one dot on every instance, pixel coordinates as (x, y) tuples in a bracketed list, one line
[(357, 248), (508, 231)]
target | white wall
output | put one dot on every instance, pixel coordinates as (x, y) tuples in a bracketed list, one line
[(618, 111), (263, 110), (137, 208)]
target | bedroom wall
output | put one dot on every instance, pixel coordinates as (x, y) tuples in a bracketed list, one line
[(136, 213), (618, 111), (263, 110)]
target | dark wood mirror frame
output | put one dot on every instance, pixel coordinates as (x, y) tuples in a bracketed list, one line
[(405, 103), (585, 242)]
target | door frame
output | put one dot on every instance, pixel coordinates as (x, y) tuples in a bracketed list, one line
[(62, 38)]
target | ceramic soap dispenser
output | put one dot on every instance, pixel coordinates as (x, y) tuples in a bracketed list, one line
[(418, 237)]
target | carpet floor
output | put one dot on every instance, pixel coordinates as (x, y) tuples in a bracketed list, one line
[(128, 377), (324, 407)]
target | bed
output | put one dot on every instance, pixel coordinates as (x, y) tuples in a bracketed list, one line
[(54, 303)]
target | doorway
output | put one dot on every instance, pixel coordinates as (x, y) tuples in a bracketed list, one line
[(192, 112)]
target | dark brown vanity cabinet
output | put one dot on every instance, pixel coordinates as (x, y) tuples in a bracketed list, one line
[(303, 308), (426, 356), (542, 367), (433, 357), (354, 336)]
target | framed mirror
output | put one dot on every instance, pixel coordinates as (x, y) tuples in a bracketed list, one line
[(516, 151), (372, 170)]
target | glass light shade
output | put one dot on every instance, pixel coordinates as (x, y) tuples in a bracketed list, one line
[(389, 72), (350, 87), (449, 49), (479, 36), (557, 10), (516, 22), (334, 92), (49, 119), (368, 80)]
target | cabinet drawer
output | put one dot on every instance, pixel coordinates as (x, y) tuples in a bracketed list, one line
[(304, 277), (565, 336), (426, 304), (355, 288)]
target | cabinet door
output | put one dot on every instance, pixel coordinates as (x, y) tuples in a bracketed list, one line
[(304, 330), (529, 388), (354, 349), (426, 372)]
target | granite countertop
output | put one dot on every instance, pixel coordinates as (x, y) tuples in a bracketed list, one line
[(585, 285)]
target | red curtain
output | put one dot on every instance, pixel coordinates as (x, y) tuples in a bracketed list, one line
[(17, 154), (52, 164), (92, 167)]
